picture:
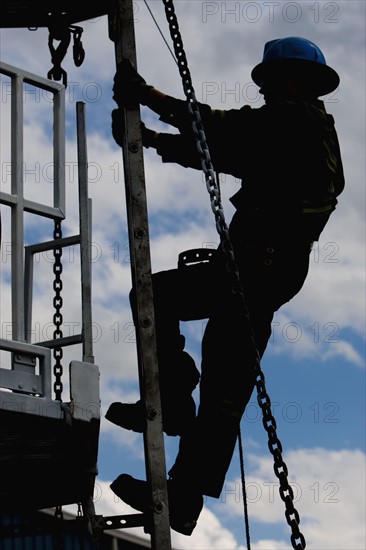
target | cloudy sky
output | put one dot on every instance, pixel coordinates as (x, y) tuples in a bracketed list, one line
[(315, 363)]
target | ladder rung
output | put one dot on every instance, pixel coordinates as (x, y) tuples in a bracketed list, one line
[(61, 342), (102, 523)]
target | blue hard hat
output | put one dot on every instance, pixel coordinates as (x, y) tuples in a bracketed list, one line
[(299, 52)]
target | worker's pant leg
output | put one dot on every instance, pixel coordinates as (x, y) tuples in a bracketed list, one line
[(179, 294), (229, 355)]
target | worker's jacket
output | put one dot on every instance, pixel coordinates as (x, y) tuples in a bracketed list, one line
[(286, 155)]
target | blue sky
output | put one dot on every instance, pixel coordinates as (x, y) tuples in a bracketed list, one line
[(315, 362)]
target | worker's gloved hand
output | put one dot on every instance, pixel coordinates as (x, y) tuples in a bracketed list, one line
[(118, 125), (148, 136), (129, 87)]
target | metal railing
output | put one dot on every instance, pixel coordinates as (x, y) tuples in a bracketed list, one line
[(30, 373)]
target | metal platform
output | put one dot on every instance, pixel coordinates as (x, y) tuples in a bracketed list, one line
[(46, 462), (48, 439)]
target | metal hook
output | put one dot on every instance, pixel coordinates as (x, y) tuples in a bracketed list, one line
[(58, 30)]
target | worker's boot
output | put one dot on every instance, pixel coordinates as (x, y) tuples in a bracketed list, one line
[(178, 406), (178, 414), (185, 503), (130, 416)]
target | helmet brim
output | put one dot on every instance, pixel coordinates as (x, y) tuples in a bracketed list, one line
[(323, 79)]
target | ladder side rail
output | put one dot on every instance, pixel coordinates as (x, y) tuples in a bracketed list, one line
[(85, 235), (121, 28)]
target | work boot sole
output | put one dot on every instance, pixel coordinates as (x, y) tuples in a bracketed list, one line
[(178, 415), (183, 510), (129, 416)]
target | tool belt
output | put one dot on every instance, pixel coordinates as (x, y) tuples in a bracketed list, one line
[(195, 256)]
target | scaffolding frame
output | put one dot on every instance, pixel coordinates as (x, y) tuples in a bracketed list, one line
[(121, 32), (26, 388)]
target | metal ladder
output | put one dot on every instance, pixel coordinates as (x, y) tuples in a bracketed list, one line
[(121, 32)]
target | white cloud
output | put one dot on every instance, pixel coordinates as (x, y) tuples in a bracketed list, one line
[(333, 296), (300, 336), (209, 533), (328, 494)]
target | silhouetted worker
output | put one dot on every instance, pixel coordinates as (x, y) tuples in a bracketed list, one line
[(287, 155)]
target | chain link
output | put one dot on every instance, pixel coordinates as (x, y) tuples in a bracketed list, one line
[(60, 30), (269, 423), (78, 50), (57, 317)]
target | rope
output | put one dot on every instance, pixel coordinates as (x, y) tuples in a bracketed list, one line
[(269, 423), (160, 31), (244, 491)]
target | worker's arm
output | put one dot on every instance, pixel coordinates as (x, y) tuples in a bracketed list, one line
[(130, 89), (171, 147), (155, 100)]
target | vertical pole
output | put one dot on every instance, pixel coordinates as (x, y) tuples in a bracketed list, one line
[(122, 33), (17, 215), (85, 241)]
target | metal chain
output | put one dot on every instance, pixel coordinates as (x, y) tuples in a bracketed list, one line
[(60, 30), (78, 50), (57, 317), (269, 423)]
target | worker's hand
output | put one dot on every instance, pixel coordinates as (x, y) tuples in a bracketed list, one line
[(118, 125), (129, 88), (148, 136)]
